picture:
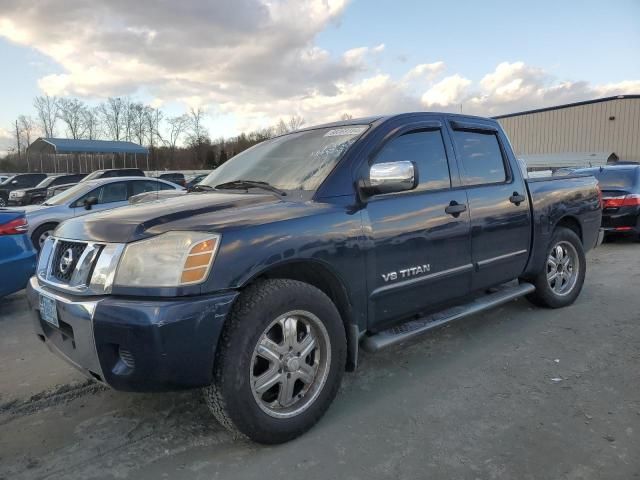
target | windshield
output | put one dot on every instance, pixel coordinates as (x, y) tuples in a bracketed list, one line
[(616, 179), (46, 182), (7, 181), (93, 175), (296, 161), (69, 194)]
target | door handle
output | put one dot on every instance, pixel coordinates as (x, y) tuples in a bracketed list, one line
[(455, 208), (516, 198)]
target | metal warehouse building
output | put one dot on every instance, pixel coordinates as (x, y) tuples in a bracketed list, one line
[(577, 134)]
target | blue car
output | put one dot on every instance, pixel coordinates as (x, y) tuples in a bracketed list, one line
[(17, 255)]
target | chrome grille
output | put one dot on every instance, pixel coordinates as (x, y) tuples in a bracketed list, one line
[(71, 251), (83, 268)]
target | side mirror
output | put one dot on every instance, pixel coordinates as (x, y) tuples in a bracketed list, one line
[(90, 202), (390, 177), (14, 182)]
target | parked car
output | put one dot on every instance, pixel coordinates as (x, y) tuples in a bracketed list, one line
[(306, 247), (87, 197), (192, 182), (97, 174), (16, 182), (175, 177), (17, 255), (37, 194), (620, 185)]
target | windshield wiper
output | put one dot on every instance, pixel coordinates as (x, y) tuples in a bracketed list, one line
[(246, 184)]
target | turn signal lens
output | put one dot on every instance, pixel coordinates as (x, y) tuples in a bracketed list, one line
[(196, 266)]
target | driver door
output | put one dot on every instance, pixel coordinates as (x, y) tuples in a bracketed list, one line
[(421, 255)]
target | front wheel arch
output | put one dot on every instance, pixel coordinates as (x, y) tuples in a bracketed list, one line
[(37, 233), (324, 279)]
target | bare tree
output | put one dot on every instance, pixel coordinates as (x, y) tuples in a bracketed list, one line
[(91, 122), (47, 109), (177, 126), (112, 112), (281, 128), (295, 123), (27, 128), (72, 113), (346, 116), (198, 133), (137, 117)]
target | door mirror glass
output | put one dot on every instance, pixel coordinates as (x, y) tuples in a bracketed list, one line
[(90, 202), (391, 177)]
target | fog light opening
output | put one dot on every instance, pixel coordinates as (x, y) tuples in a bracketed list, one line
[(126, 357)]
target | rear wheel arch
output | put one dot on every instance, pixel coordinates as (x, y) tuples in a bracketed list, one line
[(324, 279), (572, 223)]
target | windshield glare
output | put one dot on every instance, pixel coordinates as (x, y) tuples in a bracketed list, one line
[(45, 182), (7, 181), (69, 194), (296, 161)]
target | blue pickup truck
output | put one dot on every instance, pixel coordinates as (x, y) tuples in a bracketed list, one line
[(263, 286)]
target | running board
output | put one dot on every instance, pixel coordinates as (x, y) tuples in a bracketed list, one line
[(413, 328)]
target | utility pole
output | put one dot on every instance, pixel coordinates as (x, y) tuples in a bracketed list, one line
[(18, 141)]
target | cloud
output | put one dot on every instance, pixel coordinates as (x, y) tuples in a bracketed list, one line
[(7, 140), (448, 91), (259, 61)]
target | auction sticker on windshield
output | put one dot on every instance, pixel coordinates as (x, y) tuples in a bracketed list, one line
[(48, 310), (336, 132)]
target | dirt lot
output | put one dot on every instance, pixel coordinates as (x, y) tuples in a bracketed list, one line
[(519, 392)]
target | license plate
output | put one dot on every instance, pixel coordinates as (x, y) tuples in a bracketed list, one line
[(48, 310)]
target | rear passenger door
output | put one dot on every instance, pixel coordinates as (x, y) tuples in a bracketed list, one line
[(144, 186), (421, 255), (498, 204)]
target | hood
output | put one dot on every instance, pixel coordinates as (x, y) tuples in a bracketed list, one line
[(211, 212)]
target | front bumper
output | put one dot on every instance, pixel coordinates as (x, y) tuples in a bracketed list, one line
[(138, 345)]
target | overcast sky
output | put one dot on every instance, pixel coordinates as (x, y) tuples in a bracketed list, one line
[(250, 62)]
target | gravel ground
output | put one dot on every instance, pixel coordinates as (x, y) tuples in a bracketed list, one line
[(518, 392)]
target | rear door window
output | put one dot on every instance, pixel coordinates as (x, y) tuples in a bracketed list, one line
[(480, 156), (143, 186)]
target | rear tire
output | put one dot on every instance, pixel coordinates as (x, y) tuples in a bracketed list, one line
[(562, 276), (279, 362)]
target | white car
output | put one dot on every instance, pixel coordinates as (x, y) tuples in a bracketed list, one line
[(88, 197)]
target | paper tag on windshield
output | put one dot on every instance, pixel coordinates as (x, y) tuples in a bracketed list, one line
[(336, 132)]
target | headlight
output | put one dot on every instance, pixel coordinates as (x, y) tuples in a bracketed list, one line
[(169, 260), (17, 194)]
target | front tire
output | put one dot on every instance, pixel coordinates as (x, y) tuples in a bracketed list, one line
[(41, 234), (279, 362), (561, 279)]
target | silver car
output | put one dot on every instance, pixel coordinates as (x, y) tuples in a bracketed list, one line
[(88, 197)]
